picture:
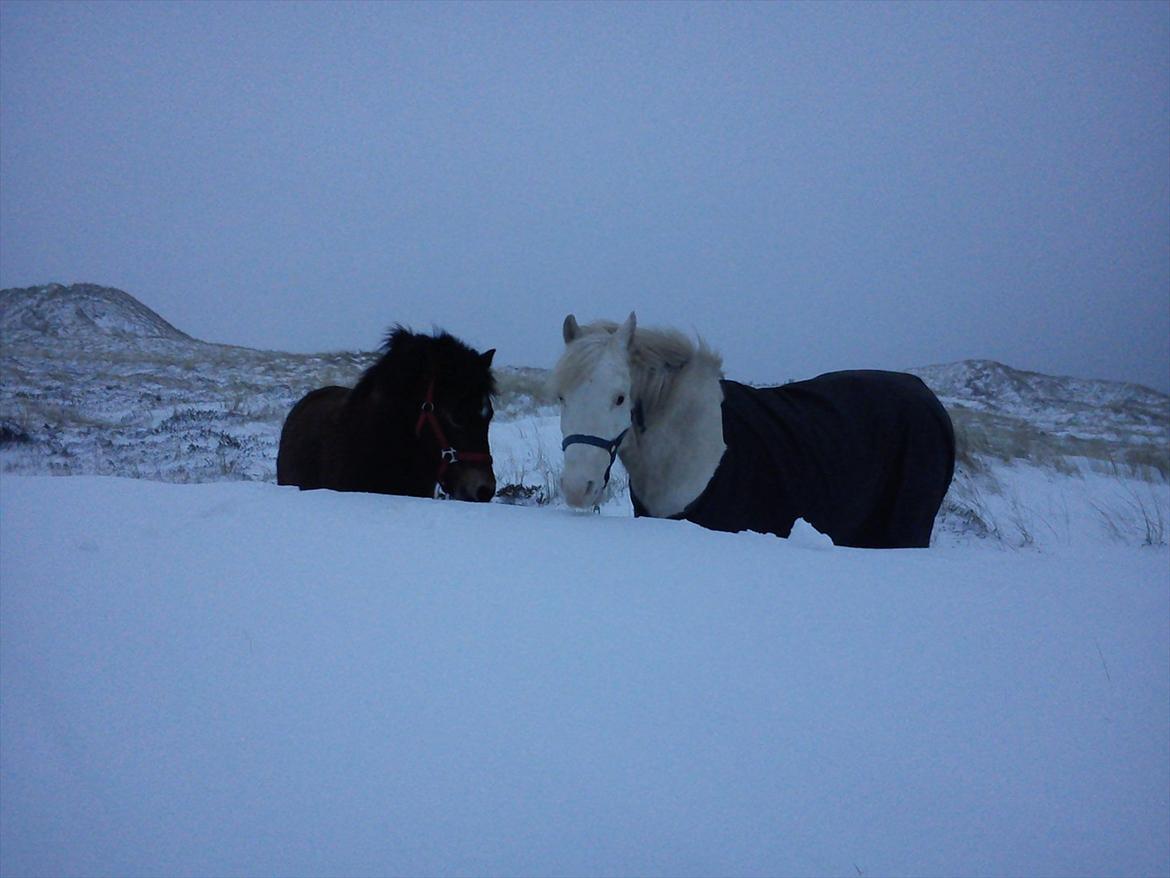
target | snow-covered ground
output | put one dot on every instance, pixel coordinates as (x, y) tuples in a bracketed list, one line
[(236, 678)]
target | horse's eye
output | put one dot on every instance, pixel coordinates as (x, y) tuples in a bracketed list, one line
[(621, 398)]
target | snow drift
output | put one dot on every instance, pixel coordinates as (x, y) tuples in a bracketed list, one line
[(237, 678)]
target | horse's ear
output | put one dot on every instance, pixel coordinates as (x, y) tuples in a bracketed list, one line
[(625, 332), (570, 330), (486, 356)]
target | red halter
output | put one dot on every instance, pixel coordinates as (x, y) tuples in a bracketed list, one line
[(448, 455)]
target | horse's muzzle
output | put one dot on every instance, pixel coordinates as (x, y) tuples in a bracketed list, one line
[(581, 494), (470, 482)]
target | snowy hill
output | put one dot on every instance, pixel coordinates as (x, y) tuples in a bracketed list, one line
[(1072, 409), (85, 314), (998, 388), (93, 382)]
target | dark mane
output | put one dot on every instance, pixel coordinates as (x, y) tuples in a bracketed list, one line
[(410, 359)]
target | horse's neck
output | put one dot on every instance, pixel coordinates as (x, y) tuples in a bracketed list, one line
[(673, 459), (387, 447)]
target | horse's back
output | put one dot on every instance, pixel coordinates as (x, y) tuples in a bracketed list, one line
[(864, 456), (305, 439), (900, 458)]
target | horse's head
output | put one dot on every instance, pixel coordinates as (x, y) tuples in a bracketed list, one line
[(443, 392), (592, 381), (454, 418)]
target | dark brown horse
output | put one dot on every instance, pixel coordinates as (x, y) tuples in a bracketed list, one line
[(418, 417)]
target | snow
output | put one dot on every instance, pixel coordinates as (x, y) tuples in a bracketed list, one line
[(1036, 506), (808, 537), (236, 678)]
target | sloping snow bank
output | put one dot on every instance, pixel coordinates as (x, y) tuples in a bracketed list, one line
[(237, 678)]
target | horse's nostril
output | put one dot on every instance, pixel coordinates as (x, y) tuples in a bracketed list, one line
[(483, 493), (589, 487)]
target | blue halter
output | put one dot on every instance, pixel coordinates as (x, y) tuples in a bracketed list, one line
[(637, 418), (610, 445)]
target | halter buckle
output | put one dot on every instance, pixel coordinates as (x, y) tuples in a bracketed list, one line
[(449, 456)]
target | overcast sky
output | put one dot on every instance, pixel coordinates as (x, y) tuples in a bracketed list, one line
[(808, 186)]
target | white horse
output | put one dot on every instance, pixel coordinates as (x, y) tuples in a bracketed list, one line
[(863, 456)]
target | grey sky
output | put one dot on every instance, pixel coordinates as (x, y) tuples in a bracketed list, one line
[(809, 186)]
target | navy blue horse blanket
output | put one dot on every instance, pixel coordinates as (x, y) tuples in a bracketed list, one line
[(863, 456)]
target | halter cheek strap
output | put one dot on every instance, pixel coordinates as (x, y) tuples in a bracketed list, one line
[(448, 454)]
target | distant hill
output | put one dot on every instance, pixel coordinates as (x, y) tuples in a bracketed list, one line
[(997, 405), (79, 313), (992, 386)]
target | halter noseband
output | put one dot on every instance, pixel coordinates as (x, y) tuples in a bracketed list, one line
[(610, 445), (448, 454)]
